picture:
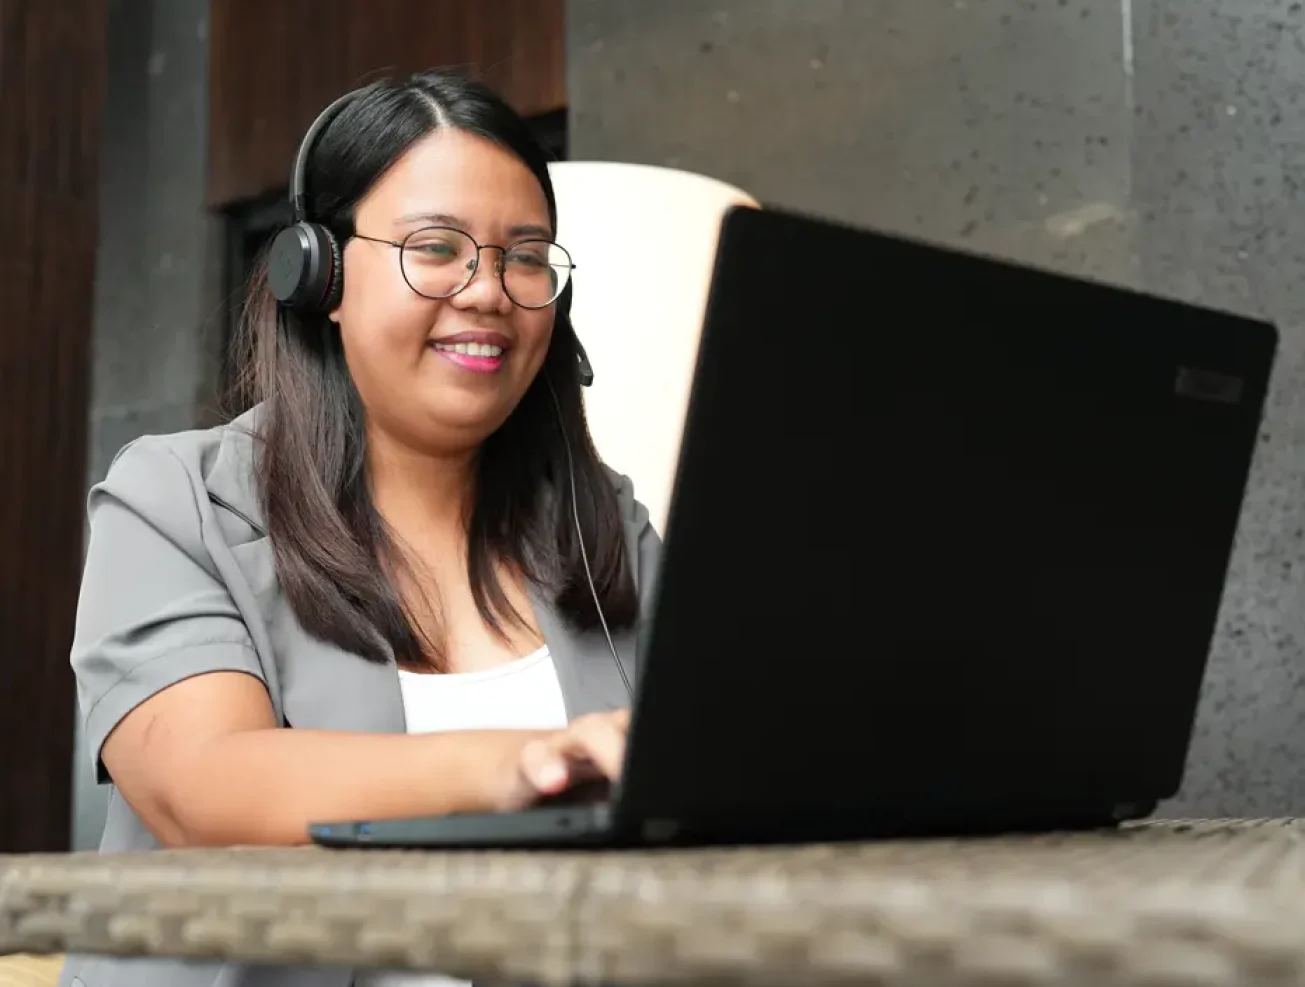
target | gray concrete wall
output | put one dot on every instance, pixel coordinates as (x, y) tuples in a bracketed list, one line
[(991, 123), (1154, 143), (156, 332), (1218, 157)]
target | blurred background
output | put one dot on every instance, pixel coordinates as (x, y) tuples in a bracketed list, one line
[(145, 147)]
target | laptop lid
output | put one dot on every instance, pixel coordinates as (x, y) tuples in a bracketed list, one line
[(948, 536)]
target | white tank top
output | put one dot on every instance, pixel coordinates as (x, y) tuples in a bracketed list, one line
[(521, 695)]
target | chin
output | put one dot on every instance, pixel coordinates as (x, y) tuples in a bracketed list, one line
[(475, 418)]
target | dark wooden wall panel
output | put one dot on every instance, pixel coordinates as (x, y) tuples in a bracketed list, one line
[(52, 68), (274, 65)]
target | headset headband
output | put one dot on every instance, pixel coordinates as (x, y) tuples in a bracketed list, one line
[(298, 196)]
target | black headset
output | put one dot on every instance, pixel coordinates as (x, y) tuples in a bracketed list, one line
[(305, 266), (305, 269)]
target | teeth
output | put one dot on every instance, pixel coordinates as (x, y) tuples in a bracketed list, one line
[(471, 349)]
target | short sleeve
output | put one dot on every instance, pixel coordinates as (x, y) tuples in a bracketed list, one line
[(153, 610)]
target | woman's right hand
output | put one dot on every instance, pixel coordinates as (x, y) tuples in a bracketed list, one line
[(590, 748)]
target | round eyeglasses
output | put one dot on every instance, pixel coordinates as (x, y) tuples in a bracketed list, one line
[(439, 261)]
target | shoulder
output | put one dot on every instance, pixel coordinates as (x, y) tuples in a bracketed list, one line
[(641, 539), (633, 512), (173, 478)]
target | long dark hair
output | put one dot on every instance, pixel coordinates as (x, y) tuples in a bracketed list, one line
[(335, 558)]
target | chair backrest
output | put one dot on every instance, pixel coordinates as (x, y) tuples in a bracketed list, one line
[(20, 970), (643, 240)]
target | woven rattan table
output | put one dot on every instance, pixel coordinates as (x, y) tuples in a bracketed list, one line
[(1172, 903)]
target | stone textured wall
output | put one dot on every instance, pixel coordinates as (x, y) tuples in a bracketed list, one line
[(157, 330), (1153, 143)]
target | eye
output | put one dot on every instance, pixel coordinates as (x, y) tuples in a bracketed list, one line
[(437, 246), (520, 258), (532, 256)]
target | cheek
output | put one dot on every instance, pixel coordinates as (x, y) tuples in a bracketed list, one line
[(535, 330), (384, 323)]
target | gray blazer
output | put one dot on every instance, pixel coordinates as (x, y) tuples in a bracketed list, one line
[(179, 581)]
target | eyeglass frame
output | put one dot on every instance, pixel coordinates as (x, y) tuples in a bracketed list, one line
[(499, 268)]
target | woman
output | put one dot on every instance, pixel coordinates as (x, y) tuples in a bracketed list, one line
[(382, 554)]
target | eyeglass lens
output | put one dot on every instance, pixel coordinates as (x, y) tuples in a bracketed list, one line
[(439, 262)]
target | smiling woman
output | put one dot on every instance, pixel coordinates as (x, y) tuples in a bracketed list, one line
[(402, 583)]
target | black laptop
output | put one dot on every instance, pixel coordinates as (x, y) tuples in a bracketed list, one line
[(945, 553)]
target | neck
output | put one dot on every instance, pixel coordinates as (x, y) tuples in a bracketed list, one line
[(420, 491)]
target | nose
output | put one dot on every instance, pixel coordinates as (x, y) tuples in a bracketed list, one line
[(485, 293)]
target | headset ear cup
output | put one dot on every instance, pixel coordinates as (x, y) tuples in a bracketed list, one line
[(323, 282), (335, 285), (288, 263), (305, 269)]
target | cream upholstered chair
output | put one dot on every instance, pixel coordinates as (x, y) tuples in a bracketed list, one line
[(643, 239), (30, 971)]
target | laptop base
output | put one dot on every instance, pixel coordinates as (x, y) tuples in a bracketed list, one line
[(532, 829), (592, 827)]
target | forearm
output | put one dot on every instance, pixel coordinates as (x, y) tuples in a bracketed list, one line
[(265, 787)]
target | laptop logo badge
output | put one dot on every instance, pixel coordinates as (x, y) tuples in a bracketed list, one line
[(1208, 385), (660, 830)]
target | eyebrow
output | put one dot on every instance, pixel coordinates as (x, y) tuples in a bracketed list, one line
[(447, 219)]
